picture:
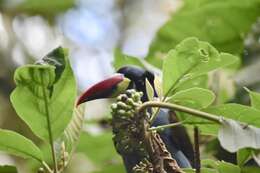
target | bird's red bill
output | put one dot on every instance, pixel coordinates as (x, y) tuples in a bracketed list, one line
[(101, 88)]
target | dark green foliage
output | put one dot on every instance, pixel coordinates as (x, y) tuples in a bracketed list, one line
[(224, 24)]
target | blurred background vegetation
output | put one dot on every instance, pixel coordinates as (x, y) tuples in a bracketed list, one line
[(92, 29)]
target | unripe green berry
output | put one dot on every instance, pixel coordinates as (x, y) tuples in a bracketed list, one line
[(119, 98), (114, 106), (129, 113), (130, 101), (121, 112), (121, 105)]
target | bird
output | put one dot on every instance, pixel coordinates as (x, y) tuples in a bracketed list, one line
[(176, 139)]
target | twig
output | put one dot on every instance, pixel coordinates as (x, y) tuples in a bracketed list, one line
[(165, 126), (194, 112), (46, 166), (196, 149)]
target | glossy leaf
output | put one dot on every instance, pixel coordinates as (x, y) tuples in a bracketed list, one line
[(14, 143), (46, 89), (194, 97), (190, 59), (222, 23)]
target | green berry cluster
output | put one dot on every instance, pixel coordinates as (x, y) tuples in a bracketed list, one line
[(126, 123)]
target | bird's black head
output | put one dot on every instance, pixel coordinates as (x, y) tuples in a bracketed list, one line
[(138, 78)]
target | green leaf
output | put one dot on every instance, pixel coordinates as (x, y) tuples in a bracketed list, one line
[(224, 24), (209, 163), (255, 99), (241, 113), (17, 144), (149, 90), (199, 82), (191, 58), (194, 97), (43, 90), (28, 99), (225, 167), (243, 155), (121, 60), (8, 169)]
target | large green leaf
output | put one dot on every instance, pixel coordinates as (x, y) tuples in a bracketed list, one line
[(200, 82), (8, 169), (17, 144), (28, 99), (223, 24), (191, 58), (45, 90), (194, 97)]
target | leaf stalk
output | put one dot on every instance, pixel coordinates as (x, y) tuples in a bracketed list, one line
[(46, 166), (162, 127), (171, 106)]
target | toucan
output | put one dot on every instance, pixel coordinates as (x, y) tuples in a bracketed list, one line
[(176, 139)]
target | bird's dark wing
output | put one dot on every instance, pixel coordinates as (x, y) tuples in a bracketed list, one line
[(175, 140), (180, 137)]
